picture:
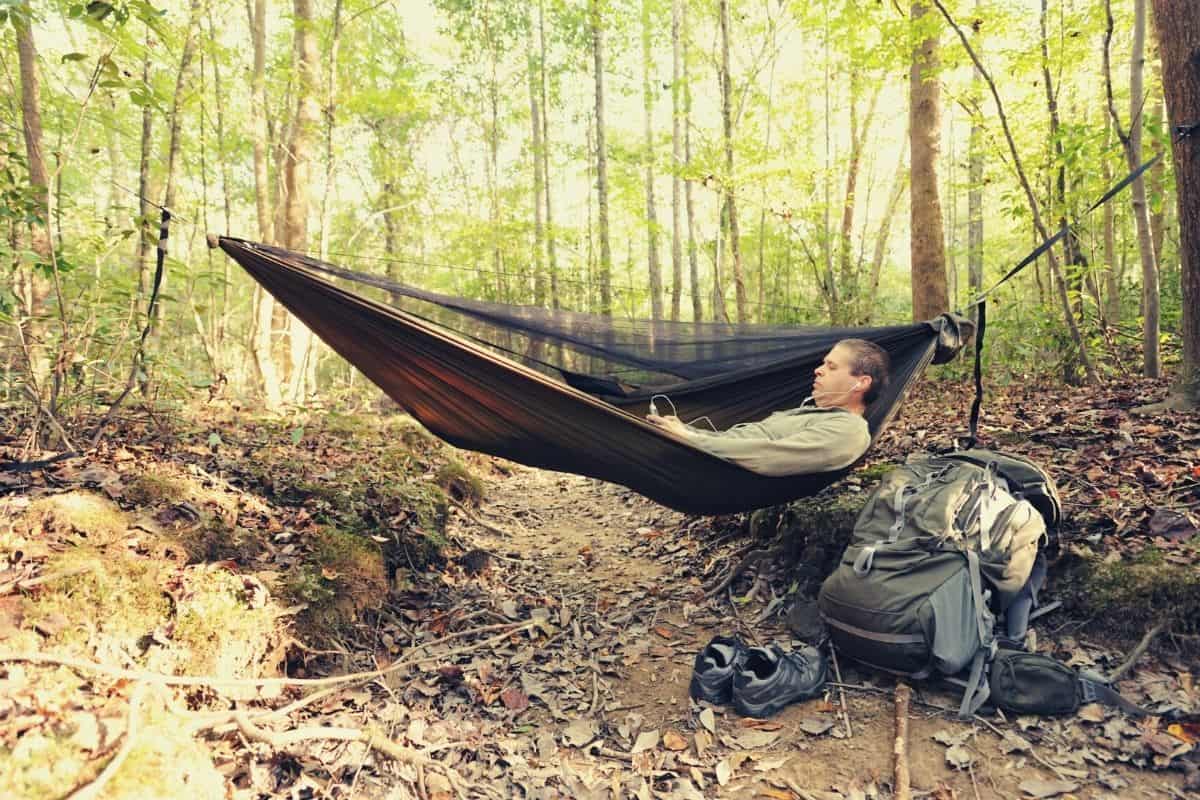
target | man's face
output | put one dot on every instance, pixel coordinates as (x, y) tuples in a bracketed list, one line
[(834, 386)]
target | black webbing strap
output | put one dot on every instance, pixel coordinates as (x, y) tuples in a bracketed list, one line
[(980, 327), (1025, 262), (1095, 692), (164, 231), (980, 302), (1128, 179)]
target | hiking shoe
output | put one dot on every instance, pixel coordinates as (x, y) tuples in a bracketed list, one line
[(712, 677), (769, 679)]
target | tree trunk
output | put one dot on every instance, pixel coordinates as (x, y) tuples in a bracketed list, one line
[(601, 162), (1132, 143), (676, 161), (539, 181), (261, 339), (551, 253), (858, 137), (881, 239), (226, 309), (331, 81), (176, 126), (297, 171), (975, 164), (35, 286), (656, 288), (1178, 28), (1112, 285), (730, 182), (928, 251), (689, 200)]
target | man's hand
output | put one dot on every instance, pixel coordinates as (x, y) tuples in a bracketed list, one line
[(670, 423)]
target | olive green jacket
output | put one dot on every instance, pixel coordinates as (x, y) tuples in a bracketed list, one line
[(793, 442)]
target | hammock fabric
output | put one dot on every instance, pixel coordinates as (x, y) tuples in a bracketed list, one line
[(439, 358)]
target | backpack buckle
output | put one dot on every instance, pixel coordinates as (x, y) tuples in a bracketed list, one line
[(862, 564)]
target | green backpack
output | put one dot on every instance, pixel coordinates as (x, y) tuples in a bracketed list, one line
[(941, 541)]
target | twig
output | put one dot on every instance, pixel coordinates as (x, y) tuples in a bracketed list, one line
[(54, 423), (205, 680), (750, 560), (94, 788), (837, 672), (482, 523), (285, 739), (1137, 653), (902, 787)]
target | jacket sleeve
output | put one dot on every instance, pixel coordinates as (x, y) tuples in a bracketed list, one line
[(830, 442)]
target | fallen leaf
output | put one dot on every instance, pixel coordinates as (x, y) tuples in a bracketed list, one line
[(646, 740), (514, 699), (949, 739), (708, 720), (777, 794), (1188, 732), (580, 732), (753, 740), (1013, 743), (1092, 712), (1172, 525), (959, 757), (815, 727), (1036, 787), (724, 771), (673, 741)]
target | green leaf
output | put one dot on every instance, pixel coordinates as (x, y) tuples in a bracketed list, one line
[(75, 57), (214, 440), (297, 434)]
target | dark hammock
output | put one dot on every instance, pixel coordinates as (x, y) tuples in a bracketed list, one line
[(465, 392)]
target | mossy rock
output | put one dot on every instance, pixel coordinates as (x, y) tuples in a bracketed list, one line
[(459, 483), (213, 539), (1129, 595), (154, 489), (343, 575), (108, 592), (75, 514)]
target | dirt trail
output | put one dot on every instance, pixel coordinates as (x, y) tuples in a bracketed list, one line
[(640, 566)]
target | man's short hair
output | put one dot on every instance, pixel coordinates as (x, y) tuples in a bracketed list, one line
[(868, 358)]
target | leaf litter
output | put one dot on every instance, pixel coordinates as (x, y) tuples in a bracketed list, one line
[(541, 710)]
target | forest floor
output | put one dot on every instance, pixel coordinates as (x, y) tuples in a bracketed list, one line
[(362, 612)]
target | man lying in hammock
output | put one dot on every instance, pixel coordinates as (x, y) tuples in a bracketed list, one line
[(829, 434)]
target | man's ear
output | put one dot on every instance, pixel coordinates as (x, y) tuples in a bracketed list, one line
[(864, 382)]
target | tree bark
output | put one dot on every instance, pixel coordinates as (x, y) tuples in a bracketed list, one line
[(297, 179), (539, 180), (656, 288), (676, 160), (551, 250), (261, 339), (176, 126), (35, 287), (975, 164), (929, 295), (601, 162), (331, 96), (730, 181), (1178, 28), (881, 239), (1132, 143), (689, 200), (1112, 285), (858, 136), (226, 310)]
